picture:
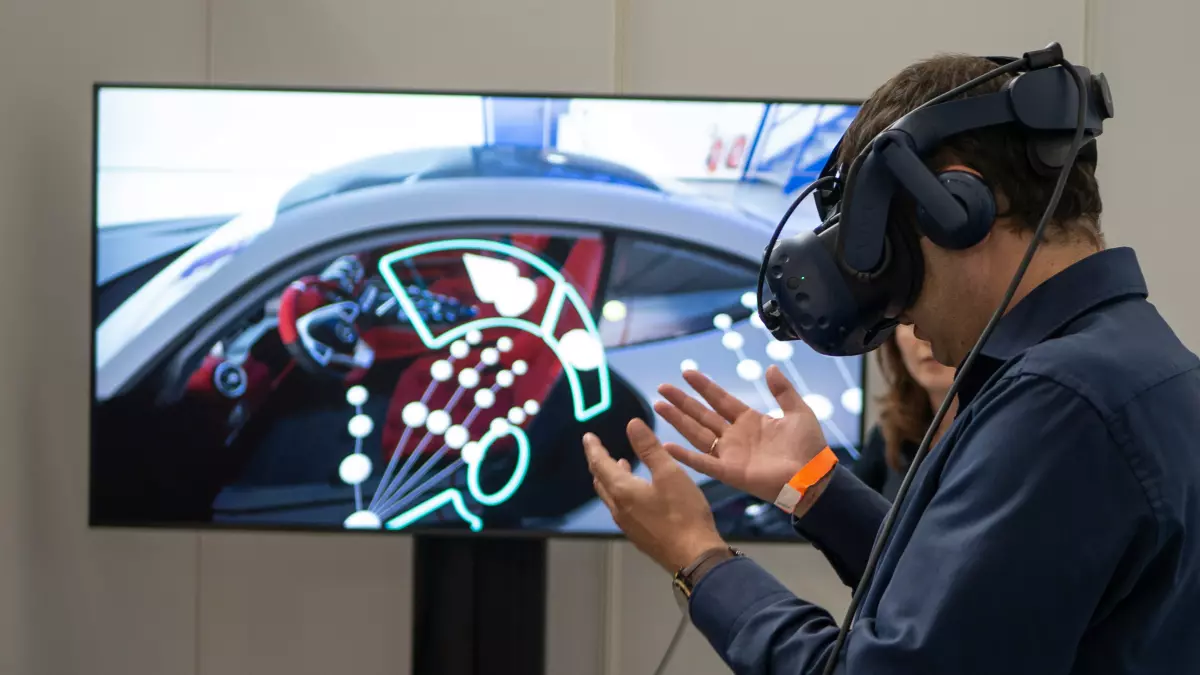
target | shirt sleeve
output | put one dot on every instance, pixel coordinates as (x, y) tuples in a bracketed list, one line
[(842, 524), (1035, 511)]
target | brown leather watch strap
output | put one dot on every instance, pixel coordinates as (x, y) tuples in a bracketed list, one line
[(707, 562)]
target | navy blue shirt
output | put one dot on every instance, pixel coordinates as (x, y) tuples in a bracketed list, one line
[(1054, 529)]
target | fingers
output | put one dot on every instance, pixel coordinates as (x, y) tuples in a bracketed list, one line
[(701, 414), (600, 463), (647, 446), (687, 425), (726, 405), (605, 497), (698, 461), (783, 391)]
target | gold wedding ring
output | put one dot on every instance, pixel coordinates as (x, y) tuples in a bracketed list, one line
[(712, 449)]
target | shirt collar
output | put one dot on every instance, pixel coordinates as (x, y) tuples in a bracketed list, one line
[(1047, 309)]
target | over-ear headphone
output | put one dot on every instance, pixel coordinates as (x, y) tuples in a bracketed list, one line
[(842, 287), (967, 187)]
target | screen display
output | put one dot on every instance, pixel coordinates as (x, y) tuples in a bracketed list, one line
[(401, 311)]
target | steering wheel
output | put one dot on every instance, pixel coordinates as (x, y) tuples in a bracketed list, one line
[(318, 327)]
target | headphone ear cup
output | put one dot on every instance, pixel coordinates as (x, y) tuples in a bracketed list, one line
[(977, 200)]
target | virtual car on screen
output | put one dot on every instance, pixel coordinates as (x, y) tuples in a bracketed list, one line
[(405, 342)]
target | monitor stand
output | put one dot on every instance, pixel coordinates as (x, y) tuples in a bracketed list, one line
[(479, 605)]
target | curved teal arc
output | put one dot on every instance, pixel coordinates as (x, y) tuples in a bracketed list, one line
[(544, 332), (518, 476), (448, 496)]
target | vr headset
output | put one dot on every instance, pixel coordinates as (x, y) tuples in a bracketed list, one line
[(842, 287)]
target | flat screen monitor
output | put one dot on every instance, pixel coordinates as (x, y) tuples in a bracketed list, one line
[(400, 311)]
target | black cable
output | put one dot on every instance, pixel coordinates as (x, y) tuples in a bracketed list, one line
[(666, 657), (885, 529)]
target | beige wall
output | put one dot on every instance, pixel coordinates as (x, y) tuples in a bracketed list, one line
[(101, 602)]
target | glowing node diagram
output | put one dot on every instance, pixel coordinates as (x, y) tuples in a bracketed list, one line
[(360, 426), (355, 469), (852, 400), (356, 395), (614, 311), (494, 271), (820, 405), (751, 370)]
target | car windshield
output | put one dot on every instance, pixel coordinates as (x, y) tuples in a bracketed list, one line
[(180, 278)]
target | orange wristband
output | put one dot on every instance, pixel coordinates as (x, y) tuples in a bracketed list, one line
[(809, 475)]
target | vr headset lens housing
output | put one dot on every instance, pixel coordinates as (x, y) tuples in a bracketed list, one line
[(842, 287)]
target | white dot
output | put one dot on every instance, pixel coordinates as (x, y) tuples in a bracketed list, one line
[(499, 425), (490, 356), (780, 351), (459, 349), (504, 344), (363, 520), (532, 407), (438, 422), (457, 436), (581, 349), (756, 321), (504, 378), (733, 340), (820, 406), (355, 468), (749, 369), (516, 416), (485, 398), (474, 337), (776, 413), (414, 414), (614, 310), (852, 400), (468, 378), (722, 321), (441, 370), (688, 364), (356, 395), (472, 452), (520, 367), (750, 300), (360, 426)]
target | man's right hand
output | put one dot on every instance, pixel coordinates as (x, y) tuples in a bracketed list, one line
[(738, 445)]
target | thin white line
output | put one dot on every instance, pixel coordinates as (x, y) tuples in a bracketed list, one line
[(845, 372), (390, 490), (388, 512), (400, 493), (403, 441), (357, 451)]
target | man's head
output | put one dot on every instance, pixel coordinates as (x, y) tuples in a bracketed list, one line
[(962, 288)]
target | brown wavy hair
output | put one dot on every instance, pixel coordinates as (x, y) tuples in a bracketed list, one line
[(906, 413)]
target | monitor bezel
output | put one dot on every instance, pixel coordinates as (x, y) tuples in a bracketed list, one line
[(214, 526)]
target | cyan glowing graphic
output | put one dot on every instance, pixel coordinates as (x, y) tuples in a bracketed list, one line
[(400, 498), (497, 281), (498, 430), (449, 496)]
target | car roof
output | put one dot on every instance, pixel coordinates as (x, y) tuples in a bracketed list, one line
[(491, 161), (450, 202)]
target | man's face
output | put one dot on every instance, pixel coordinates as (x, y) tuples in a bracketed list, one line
[(947, 312)]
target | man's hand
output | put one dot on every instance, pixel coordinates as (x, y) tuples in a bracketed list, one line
[(667, 518), (738, 445)]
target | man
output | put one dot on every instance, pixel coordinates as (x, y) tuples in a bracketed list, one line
[(1056, 526)]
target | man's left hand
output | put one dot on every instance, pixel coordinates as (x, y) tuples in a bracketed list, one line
[(668, 517)]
